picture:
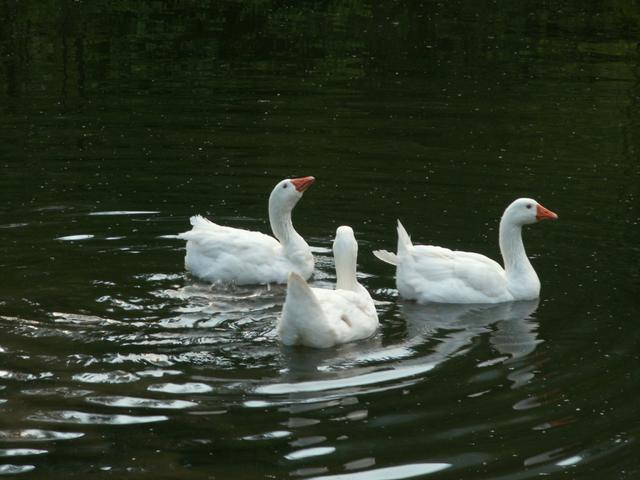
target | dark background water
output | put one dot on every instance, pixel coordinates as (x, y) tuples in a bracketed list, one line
[(121, 119)]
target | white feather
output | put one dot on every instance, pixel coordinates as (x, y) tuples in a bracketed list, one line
[(436, 274), (323, 318), (224, 254)]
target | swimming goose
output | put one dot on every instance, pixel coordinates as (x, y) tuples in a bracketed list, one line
[(323, 318), (225, 254), (436, 274)]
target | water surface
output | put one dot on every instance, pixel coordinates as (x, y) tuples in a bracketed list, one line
[(120, 121)]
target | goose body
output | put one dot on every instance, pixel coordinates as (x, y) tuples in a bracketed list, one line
[(323, 318), (435, 274), (231, 255)]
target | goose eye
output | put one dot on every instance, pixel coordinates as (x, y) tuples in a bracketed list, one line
[(528, 205), (284, 186)]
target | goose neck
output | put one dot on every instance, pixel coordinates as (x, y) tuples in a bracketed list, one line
[(346, 271), (512, 249), (281, 225)]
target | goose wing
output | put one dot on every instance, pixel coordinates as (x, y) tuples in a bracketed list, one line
[(224, 253), (441, 275)]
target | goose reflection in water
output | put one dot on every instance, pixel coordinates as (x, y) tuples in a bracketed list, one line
[(511, 327), (451, 328)]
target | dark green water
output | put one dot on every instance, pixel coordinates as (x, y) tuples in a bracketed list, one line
[(120, 120)]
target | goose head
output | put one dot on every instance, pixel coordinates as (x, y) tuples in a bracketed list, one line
[(525, 211), (345, 246), (286, 193), (283, 198)]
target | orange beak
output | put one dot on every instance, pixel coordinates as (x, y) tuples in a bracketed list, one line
[(542, 213), (302, 183)]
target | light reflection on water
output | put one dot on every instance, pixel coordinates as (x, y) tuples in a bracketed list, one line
[(389, 473), (118, 123), (180, 328), (174, 349)]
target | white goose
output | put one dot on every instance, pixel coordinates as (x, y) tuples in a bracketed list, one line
[(436, 274), (224, 254), (323, 318)]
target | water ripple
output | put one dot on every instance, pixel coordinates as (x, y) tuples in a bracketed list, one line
[(73, 238), (149, 333), (309, 452), (83, 418), (23, 377), (390, 473), (180, 388), (135, 402), (8, 469), (117, 376), (124, 212), (268, 435), (21, 452), (62, 392), (157, 373), (36, 435), (382, 376)]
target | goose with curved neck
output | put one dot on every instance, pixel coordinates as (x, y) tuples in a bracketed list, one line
[(231, 255), (522, 280), (436, 274), (281, 205), (323, 318)]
